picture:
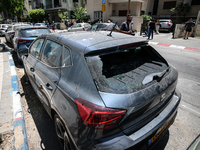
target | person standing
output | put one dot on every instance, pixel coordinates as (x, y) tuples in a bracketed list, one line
[(47, 24), (157, 26), (126, 25), (151, 29), (53, 26), (188, 28)]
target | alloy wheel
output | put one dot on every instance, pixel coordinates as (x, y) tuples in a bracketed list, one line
[(61, 133)]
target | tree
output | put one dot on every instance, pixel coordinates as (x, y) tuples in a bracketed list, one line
[(12, 6), (63, 15), (79, 14), (145, 17), (36, 15), (181, 10)]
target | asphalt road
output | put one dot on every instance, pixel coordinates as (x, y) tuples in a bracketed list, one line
[(40, 128), (186, 126)]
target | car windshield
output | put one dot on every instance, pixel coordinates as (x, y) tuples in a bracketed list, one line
[(111, 27), (34, 32), (5, 26), (115, 72)]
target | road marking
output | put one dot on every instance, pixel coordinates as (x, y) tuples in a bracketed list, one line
[(190, 108)]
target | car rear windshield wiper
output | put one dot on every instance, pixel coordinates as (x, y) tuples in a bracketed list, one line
[(154, 76)]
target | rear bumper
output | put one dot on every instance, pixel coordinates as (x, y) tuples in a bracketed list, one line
[(142, 139)]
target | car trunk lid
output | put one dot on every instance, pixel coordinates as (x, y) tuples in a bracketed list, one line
[(134, 78)]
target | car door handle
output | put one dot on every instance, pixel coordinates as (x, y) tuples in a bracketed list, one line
[(48, 86), (32, 69)]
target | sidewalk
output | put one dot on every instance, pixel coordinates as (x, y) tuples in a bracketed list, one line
[(165, 39), (11, 111)]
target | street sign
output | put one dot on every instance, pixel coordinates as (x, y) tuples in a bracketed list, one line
[(21, 17), (103, 7), (103, 2)]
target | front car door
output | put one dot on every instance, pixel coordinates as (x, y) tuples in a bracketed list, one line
[(48, 71)]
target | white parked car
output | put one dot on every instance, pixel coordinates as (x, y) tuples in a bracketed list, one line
[(79, 27), (166, 25)]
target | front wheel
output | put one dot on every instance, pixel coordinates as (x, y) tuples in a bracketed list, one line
[(61, 133)]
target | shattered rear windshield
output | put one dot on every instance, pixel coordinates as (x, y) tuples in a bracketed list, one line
[(124, 70)]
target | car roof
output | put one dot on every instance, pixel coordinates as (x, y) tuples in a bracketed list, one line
[(86, 42), (31, 27)]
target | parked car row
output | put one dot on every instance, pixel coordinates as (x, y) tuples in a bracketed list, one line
[(101, 91)]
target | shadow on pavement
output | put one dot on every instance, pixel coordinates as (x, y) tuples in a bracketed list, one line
[(43, 122)]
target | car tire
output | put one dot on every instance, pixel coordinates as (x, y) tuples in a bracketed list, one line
[(62, 134)]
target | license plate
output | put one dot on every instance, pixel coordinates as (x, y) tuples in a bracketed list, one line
[(161, 27), (153, 139)]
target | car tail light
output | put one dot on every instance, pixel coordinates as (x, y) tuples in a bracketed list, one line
[(83, 28), (2, 29), (13, 33), (97, 116), (20, 41), (107, 29), (168, 24)]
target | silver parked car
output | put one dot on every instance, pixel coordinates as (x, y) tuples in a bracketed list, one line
[(79, 27), (3, 28), (10, 32), (166, 25)]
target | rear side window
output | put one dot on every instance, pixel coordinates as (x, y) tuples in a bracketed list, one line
[(34, 32), (52, 54), (36, 48)]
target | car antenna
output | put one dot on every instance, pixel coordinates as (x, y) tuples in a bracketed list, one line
[(112, 30)]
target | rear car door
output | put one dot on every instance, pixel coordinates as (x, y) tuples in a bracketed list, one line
[(48, 71), (32, 59), (7, 34)]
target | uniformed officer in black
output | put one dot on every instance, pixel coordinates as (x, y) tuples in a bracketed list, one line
[(125, 26)]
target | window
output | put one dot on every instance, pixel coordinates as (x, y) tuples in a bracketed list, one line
[(155, 7), (36, 47), (52, 54), (98, 14), (195, 2), (122, 12), (34, 32), (169, 5), (66, 57)]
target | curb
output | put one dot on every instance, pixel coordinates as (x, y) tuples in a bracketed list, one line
[(176, 46), (20, 136)]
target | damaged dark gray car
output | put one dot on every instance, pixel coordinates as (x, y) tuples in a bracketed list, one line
[(103, 92)]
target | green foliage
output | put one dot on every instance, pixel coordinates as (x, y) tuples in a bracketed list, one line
[(181, 10), (63, 15), (80, 14), (145, 17), (12, 6), (36, 15)]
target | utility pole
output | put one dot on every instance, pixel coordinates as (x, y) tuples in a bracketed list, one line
[(129, 3)]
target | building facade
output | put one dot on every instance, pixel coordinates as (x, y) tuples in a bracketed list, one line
[(116, 10), (161, 8)]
